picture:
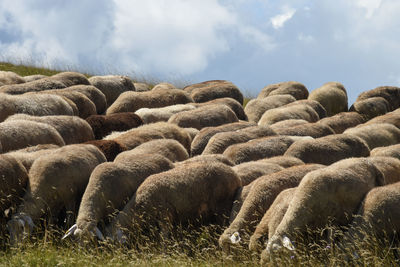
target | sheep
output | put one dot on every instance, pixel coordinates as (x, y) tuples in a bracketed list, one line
[(38, 105), (34, 77), (56, 181), (207, 158), (198, 192), (371, 107), (314, 130), (390, 93), (164, 86), (240, 195), (9, 77), (259, 148), (134, 137), (192, 132), (230, 102), (256, 107), (94, 94), (141, 87), (29, 154), (109, 148), (20, 134), (131, 101), (249, 171), (377, 134), (281, 125), (14, 178), (260, 197), (205, 116), (342, 121), (312, 103), (332, 96), (387, 151), (210, 90), (169, 148), (221, 141), (72, 129), (299, 111), (201, 139), (328, 149), (389, 166), (296, 89), (331, 194), (69, 78), (112, 86), (33, 86), (110, 187), (271, 219), (391, 117), (103, 125), (284, 161), (151, 115)]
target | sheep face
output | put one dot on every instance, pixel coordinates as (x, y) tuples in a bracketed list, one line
[(19, 228)]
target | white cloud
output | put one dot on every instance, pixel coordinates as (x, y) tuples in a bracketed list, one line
[(369, 5), (279, 20), (257, 38), (306, 38)]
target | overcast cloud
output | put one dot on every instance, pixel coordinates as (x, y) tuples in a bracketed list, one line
[(252, 43)]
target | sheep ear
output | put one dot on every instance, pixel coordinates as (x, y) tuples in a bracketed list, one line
[(99, 234), (70, 231), (235, 238), (287, 243)]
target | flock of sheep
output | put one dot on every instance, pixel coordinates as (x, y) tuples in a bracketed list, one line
[(105, 157)]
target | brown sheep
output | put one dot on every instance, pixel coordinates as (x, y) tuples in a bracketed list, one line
[(296, 89), (260, 197), (103, 125), (70, 78), (110, 187), (191, 193), (151, 115), (298, 111), (391, 118), (9, 77), (271, 219), (204, 116), (20, 134), (314, 130), (282, 125), (169, 148), (112, 86), (231, 103), (256, 107), (201, 139), (389, 166), (56, 181), (342, 121), (164, 86), (141, 87), (72, 129), (284, 161), (331, 194), (207, 91), (387, 151), (390, 93), (110, 148), (221, 141), (94, 94), (332, 96), (192, 132), (328, 149), (312, 103), (131, 101), (34, 77), (240, 196), (33, 86), (207, 158), (371, 107), (250, 171), (377, 134), (259, 148)]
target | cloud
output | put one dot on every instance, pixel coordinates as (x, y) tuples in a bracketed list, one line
[(369, 5), (279, 20)]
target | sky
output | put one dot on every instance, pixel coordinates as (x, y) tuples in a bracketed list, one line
[(251, 43)]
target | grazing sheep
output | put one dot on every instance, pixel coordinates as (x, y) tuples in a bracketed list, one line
[(192, 132), (332, 96), (9, 77), (256, 107), (284, 161), (112, 86), (69, 78), (221, 141), (103, 125), (260, 197), (132, 101), (72, 129), (299, 111), (20, 134), (240, 195), (390, 93), (391, 118), (231, 103), (249, 171), (331, 194), (201, 139), (209, 90), (387, 151), (328, 149), (189, 193), (312, 103), (314, 130), (259, 148), (151, 115), (377, 134), (207, 158), (29, 154), (371, 107), (205, 116), (33, 86), (342, 121), (94, 94), (141, 87), (389, 166), (56, 181), (296, 89), (110, 148), (271, 219), (34, 77), (164, 86), (281, 125), (110, 187), (147, 132), (169, 148)]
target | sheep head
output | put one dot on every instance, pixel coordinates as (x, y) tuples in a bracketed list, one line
[(19, 227)]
